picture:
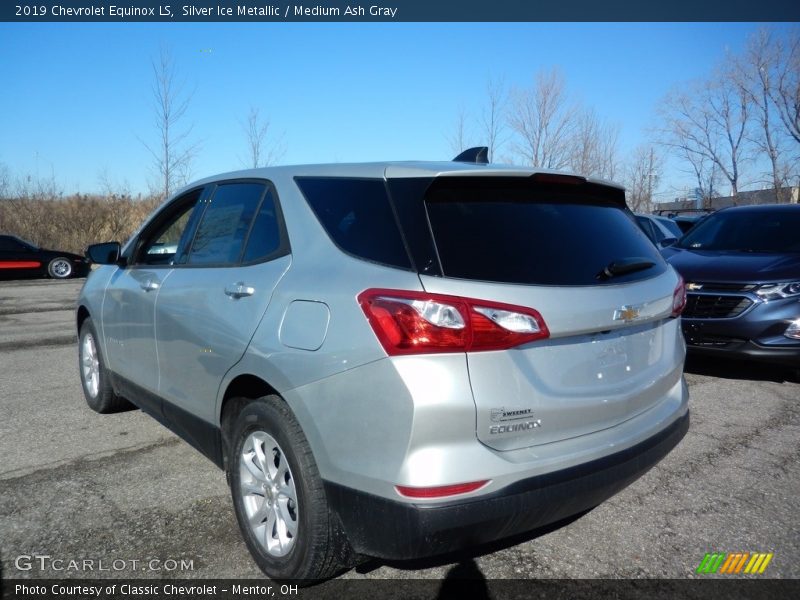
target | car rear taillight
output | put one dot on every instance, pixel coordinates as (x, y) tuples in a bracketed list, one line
[(679, 298), (440, 491), (421, 323)]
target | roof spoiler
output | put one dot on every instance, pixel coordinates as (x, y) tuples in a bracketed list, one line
[(478, 154)]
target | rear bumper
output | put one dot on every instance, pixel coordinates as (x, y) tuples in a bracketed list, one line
[(389, 529)]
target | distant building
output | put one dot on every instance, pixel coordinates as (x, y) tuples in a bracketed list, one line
[(787, 195)]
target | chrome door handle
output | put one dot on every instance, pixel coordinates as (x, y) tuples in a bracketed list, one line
[(149, 285), (239, 290)]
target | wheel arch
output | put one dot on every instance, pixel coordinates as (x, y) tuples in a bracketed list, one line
[(81, 315), (241, 390)]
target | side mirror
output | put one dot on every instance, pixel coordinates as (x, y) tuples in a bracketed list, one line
[(667, 242), (107, 253)]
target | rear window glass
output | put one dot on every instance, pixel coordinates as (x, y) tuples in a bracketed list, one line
[(357, 216), (529, 236)]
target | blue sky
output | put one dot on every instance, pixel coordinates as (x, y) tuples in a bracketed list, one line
[(77, 100)]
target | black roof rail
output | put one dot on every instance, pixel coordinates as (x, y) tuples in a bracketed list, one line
[(478, 154)]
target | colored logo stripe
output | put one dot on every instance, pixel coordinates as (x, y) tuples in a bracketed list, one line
[(735, 562), (711, 563), (19, 264), (759, 562)]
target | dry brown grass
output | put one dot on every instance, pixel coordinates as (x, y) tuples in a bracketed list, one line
[(72, 223)]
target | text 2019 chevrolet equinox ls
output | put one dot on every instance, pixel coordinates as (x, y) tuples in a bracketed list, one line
[(394, 359)]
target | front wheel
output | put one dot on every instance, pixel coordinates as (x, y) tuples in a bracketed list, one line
[(60, 268), (279, 498), (95, 382)]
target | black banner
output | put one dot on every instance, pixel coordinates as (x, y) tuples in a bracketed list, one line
[(733, 588), (397, 10)]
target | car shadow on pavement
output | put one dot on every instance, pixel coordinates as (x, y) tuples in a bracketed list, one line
[(464, 580), (463, 561), (740, 369)]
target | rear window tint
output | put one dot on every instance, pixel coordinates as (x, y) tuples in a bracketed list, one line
[(357, 216), (525, 236)]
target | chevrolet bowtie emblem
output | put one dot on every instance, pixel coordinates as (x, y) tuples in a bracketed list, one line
[(694, 286), (626, 313)]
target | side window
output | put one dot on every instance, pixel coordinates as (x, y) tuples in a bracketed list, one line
[(358, 217), (658, 234), (225, 224), (265, 235), (648, 228), (8, 244), (160, 243)]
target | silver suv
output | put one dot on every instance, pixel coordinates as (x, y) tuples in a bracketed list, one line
[(394, 359)]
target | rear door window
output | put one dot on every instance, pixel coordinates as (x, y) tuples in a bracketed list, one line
[(518, 232)]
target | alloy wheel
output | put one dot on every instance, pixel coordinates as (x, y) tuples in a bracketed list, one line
[(268, 493)]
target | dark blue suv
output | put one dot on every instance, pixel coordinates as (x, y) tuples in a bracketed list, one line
[(742, 271)]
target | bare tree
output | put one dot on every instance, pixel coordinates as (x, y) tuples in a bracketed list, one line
[(785, 90), (173, 153), (262, 152), (706, 174), (111, 188), (33, 186), (459, 135), (542, 119), (5, 181), (642, 178), (593, 147), (493, 120), (708, 124), (755, 72), (114, 223)]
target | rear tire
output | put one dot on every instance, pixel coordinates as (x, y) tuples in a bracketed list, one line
[(279, 498), (95, 381), (60, 268)]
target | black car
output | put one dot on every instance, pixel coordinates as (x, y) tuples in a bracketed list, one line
[(19, 259), (686, 222), (742, 271)]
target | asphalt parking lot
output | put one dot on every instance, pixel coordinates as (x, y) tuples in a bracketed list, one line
[(79, 486)]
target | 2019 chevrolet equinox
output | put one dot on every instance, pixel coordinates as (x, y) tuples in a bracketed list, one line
[(394, 359)]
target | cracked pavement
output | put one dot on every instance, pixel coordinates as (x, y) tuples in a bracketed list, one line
[(77, 485)]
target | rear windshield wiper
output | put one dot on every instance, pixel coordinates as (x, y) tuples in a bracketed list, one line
[(624, 266)]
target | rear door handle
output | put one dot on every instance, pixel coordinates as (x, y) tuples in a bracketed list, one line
[(239, 290)]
